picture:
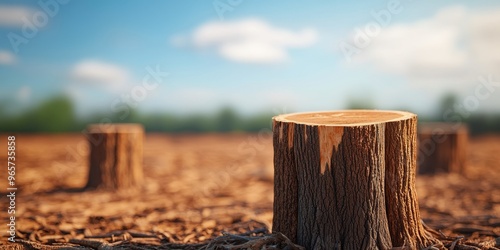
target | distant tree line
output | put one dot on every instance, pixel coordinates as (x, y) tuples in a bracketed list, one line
[(58, 115)]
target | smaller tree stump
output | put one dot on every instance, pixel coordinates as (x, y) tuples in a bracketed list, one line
[(442, 148), (116, 156)]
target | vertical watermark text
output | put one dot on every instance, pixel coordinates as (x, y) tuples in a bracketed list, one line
[(11, 189)]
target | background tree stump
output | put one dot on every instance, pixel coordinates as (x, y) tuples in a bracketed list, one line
[(116, 156), (442, 148), (346, 180)]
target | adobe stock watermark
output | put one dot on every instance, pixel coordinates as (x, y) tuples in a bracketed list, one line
[(223, 6), (138, 93), (122, 107), (483, 90), (32, 25), (249, 150), (364, 36), (460, 111)]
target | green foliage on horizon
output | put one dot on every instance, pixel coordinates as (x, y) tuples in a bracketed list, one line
[(360, 103), (54, 115), (451, 110), (58, 115)]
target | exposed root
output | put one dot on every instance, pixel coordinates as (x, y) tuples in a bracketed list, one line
[(454, 243)]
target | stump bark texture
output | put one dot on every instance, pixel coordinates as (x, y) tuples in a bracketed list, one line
[(346, 180), (442, 148), (116, 156)]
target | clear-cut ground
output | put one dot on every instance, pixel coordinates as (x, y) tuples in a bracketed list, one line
[(198, 186)]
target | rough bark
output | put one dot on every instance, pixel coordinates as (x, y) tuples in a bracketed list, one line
[(345, 182), (401, 197), (285, 202), (442, 148), (116, 156)]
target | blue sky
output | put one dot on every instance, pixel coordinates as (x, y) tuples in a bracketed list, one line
[(255, 56)]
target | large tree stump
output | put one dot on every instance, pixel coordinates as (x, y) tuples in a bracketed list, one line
[(346, 180), (116, 156), (442, 148)]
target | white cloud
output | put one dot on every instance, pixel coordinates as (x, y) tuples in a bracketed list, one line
[(98, 72), (484, 32), (14, 16), (249, 40), (454, 46), (6, 57)]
